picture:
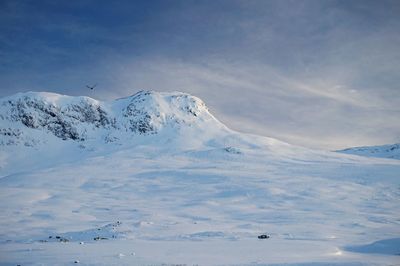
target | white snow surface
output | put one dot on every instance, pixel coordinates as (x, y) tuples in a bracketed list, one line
[(384, 151), (155, 179)]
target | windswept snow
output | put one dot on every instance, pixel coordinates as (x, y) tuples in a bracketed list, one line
[(187, 190), (385, 151), (386, 246)]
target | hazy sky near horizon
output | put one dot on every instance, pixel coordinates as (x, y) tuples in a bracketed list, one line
[(322, 74)]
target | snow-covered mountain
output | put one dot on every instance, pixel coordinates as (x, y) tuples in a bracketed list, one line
[(156, 179), (384, 151), (32, 118), (40, 128)]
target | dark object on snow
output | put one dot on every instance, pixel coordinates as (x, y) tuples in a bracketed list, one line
[(100, 238), (263, 236), (59, 238)]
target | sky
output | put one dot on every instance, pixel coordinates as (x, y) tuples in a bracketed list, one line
[(320, 74)]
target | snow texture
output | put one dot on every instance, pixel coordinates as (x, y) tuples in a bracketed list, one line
[(385, 151), (155, 179)]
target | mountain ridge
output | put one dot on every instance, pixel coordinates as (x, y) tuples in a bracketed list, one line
[(40, 129), (80, 118), (36, 118)]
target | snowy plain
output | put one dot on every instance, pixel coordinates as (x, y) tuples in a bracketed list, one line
[(188, 191)]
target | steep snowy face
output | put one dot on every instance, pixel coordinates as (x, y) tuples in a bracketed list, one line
[(28, 118)]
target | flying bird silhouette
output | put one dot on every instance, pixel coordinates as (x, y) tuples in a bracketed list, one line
[(92, 87)]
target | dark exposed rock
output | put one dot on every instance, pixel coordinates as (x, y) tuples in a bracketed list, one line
[(97, 238), (139, 119), (263, 236), (10, 132)]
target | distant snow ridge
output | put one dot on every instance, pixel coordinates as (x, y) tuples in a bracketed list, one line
[(27, 118), (384, 151)]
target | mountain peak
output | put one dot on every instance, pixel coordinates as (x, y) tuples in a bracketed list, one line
[(167, 102)]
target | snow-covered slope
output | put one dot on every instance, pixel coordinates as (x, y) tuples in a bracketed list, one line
[(155, 179), (384, 151)]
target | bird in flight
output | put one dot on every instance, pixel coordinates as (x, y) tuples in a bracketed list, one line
[(91, 87)]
